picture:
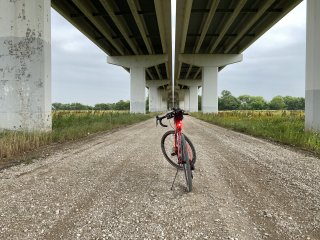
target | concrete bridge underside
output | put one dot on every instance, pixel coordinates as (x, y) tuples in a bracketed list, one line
[(136, 35)]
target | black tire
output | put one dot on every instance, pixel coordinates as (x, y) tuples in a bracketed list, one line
[(167, 142), (186, 165)]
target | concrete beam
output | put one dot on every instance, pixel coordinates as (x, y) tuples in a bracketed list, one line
[(312, 98), (210, 60), (230, 21), (157, 83), (138, 60), (25, 65), (88, 9), (183, 13), (190, 83)]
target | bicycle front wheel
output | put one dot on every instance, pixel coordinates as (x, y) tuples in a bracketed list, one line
[(186, 164), (170, 151)]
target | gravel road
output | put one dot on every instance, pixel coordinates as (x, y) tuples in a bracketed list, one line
[(117, 186)]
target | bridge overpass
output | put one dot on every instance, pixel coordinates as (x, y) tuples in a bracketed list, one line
[(136, 35)]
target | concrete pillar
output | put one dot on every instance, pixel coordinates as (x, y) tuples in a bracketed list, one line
[(312, 98), (25, 65), (181, 98), (137, 65), (187, 100), (164, 100), (156, 94), (191, 94), (210, 64), (209, 101), (137, 90), (153, 99), (193, 99)]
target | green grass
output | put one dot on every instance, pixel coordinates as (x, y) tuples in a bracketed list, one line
[(281, 126), (66, 126)]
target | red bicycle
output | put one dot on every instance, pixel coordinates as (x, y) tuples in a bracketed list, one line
[(177, 147)]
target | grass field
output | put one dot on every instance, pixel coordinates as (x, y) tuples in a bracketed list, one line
[(282, 126), (66, 125)]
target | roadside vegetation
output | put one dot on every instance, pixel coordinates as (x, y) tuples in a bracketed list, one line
[(120, 105), (67, 125), (281, 126), (246, 102)]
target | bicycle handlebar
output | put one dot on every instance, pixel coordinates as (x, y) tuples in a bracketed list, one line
[(159, 119), (169, 115)]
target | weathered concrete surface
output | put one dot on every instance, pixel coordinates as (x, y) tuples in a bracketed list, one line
[(25, 65), (117, 186), (312, 109), (138, 65)]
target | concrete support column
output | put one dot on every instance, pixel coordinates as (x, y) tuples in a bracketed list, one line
[(181, 99), (191, 94), (187, 100), (137, 65), (163, 100), (312, 98), (210, 64), (156, 94), (137, 90), (209, 99), (193, 99), (153, 99), (25, 65)]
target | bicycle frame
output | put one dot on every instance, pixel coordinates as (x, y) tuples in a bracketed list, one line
[(177, 142)]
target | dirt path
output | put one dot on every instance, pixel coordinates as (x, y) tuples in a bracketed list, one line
[(117, 186)]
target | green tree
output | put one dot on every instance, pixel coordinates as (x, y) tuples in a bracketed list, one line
[(294, 103), (277, 103), (228, 102), (102, 106), (252, 102), (122, 105), (57, 106)]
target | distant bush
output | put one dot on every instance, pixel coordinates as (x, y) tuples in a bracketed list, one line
[(246, 102)]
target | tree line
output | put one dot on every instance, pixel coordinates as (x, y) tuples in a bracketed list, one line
[(120, 105), (226, 102), (246, 102)]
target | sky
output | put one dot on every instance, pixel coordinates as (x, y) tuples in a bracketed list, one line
[(273, 65)]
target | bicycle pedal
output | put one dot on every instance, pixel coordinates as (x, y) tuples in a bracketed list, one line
[(173, 154)]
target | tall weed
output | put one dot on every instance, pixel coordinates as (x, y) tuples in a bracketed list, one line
[(66, 125), (282, 126)]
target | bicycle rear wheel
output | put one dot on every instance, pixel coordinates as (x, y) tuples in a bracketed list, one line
[(169, 151), (186, 164)]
